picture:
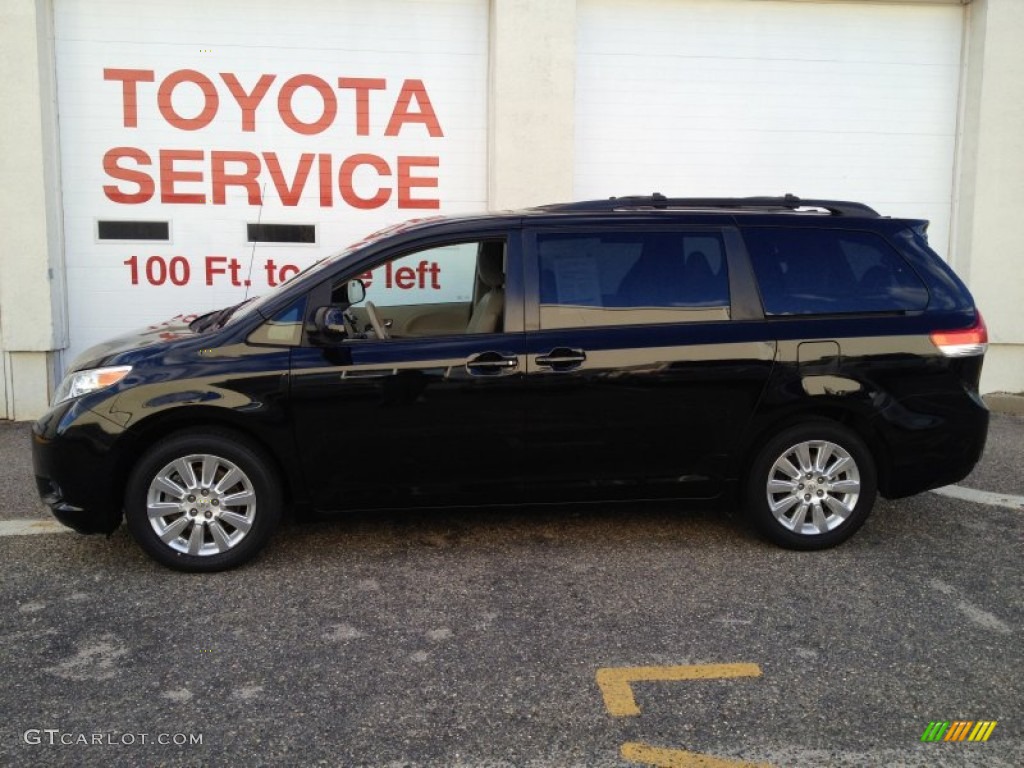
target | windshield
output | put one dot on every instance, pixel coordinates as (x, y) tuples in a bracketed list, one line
[(234, 313)]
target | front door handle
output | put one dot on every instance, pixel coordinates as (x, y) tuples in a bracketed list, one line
[(491, 364), (562, 359)]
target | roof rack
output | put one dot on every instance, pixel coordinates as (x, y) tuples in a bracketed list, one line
[(659, 201)]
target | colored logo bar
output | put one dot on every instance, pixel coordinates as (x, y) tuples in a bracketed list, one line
[(958, 730)]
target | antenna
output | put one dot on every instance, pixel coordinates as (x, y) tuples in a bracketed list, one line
[(252, 254)]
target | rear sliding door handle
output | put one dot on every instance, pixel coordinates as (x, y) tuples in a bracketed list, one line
[(491, 364), (562, 359)]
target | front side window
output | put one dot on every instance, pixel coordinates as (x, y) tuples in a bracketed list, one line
[(284, 328), (629, 278), (449, 289), (827, 271)]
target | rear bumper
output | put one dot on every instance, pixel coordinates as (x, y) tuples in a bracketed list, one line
[(933, 442), (78, 474)]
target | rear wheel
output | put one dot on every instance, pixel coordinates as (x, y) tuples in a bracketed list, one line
[(203, 501), (812, 486)]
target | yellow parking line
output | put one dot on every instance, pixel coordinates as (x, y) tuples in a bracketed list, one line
[(680, 758), (614, 682)]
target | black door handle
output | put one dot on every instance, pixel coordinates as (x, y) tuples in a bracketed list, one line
[(562, 359), (491, 364)]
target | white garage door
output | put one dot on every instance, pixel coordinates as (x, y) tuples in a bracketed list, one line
[(211, 149), (736, 97)]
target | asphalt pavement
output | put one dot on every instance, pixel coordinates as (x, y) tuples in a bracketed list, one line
[(474, 638)]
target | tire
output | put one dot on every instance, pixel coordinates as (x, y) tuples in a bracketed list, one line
[(822, 504), (203, 501)]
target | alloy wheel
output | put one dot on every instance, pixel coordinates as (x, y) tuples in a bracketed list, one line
[(201, 505), (813, 487)]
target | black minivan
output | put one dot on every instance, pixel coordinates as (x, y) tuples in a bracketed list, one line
[(793, 356)]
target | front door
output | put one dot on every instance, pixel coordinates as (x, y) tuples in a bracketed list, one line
[(423, 404)]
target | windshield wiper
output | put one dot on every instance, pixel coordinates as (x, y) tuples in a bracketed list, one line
[(225, 314), (203, 322), (215, 319)]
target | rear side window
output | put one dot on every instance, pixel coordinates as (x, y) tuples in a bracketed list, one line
[(626, 278), (828, 271)]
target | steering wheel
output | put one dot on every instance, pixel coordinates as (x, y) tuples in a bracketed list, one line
[(351, 327), (378, 326)]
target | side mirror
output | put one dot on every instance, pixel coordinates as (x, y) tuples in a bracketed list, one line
[(330, 321), (356, 291)]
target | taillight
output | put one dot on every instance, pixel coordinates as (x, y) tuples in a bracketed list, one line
[(964, 343)]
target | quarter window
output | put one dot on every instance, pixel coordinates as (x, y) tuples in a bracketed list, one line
[(826, 271), (628, 278), (284, 328)]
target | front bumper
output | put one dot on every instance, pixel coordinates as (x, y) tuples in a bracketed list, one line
[(76, 518), (79, 459)]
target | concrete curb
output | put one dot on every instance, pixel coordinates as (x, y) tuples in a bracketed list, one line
[(1005, 402)]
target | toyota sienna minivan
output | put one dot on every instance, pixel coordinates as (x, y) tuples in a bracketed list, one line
[(793, 357)]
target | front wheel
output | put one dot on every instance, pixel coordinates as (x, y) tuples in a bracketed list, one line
[(203, 501), (812, 486)]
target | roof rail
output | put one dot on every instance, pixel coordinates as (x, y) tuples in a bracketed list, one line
[(659, 201)]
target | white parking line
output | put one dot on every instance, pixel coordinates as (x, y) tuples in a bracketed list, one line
[(29, 527), (1004, 500)]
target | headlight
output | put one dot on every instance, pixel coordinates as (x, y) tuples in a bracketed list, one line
[(83, 382)]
